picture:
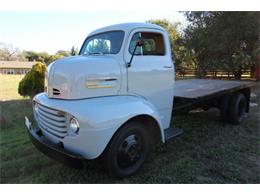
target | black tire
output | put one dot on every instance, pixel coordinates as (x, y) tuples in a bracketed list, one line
[(127, 150), (224, 108), (237, 108)]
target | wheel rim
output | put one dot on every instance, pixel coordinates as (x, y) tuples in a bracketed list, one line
[(129, 151)]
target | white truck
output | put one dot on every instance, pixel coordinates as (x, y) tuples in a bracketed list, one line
[(115, 99)]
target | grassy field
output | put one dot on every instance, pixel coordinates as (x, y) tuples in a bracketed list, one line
[(207, 152), (9, 87)]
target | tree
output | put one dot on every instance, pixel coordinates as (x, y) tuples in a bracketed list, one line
[(10, 53), (74, 51), (31, 55), (33, 81), (38, 56), (227, 40), (44, 57), (63, 53)]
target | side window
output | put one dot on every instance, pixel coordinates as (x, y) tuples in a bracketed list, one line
[(153, 44)]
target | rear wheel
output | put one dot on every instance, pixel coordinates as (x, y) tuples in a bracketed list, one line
[(128, 150), (237, 108)]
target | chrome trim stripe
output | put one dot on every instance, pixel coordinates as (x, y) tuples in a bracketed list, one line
[(98, 83)]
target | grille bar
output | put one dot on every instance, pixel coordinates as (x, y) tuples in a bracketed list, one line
[(51, 120), (52, 128), (60, 128), (55, 133), (49, 110), (52, 117)]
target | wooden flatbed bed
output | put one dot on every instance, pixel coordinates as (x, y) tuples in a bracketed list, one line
[(192, 93), (230, 97)]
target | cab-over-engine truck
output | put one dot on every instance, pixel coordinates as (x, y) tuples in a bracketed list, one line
[(115, 99)]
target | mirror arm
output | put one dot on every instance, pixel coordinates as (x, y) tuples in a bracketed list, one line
[(129, 63)]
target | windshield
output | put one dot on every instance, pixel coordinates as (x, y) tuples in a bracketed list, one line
[(103, 43)]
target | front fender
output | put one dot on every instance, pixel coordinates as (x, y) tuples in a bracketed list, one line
[(99, 119)]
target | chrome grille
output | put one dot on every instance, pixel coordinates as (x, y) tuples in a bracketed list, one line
[(50, 120)]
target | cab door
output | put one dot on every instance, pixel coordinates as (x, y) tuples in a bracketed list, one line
[(151, 73)]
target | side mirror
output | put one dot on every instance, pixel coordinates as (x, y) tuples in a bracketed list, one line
[(139, 43)]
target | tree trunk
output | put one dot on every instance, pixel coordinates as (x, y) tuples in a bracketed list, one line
[(237, 74)]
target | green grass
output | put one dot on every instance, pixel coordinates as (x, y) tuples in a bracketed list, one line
[(208, 151), (9, 87)]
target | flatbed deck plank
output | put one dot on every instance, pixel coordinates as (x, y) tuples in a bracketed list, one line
[(197, 88)]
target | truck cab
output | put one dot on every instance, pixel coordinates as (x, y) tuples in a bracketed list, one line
[(114, 99)]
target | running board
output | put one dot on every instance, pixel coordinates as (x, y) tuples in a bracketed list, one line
[(171, 132)]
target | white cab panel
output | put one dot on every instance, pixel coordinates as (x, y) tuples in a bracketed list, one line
[(84, 77), (152, 77)]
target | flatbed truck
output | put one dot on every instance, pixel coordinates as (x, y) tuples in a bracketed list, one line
[(116, 99)]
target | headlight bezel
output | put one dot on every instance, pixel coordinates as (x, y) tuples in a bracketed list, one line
[(35, 106), (73, 126)]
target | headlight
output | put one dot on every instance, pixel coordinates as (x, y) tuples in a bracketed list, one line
[(73, 126), (36, 106)]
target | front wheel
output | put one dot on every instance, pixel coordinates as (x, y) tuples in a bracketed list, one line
[(127, 150)]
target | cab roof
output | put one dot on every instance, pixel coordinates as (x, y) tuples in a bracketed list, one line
[(127, 27)]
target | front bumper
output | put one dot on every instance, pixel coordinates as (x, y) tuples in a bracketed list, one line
[(54, 151)]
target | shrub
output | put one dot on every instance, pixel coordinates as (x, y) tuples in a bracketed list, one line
[(33, 81)]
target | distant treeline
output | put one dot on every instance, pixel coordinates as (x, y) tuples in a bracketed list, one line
[(9, 53)]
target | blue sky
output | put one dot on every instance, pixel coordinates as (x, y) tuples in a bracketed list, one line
[(54, 30)]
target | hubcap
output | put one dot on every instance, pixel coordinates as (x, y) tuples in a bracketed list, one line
[(129, 151)]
